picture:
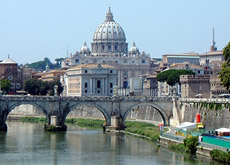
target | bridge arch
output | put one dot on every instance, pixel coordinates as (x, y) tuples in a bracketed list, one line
[(102, 110), (14, 105), (156, 107)]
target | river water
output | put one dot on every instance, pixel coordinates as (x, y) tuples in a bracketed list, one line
[(28, 143)]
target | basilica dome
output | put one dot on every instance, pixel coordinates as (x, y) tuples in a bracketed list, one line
[(109, 30), (109, 38)]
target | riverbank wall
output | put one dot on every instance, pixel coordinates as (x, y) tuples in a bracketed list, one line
[(213, 119), (200, 150)]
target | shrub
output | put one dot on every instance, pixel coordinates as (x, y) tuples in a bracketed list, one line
[(220, 156), (191, 144)]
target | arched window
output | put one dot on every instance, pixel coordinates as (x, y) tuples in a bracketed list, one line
[(98, 84)]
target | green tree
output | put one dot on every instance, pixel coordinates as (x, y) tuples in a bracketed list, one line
[(39, 87), (5, 85), (226, 53), (172, 76), (58, 62), (191, 144), (225, 76), (33, 86), (225, 71)]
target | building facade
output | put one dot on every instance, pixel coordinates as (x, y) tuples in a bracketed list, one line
[(89, 80), (195, 85), (16, 75), (109, 46), (192, 58)]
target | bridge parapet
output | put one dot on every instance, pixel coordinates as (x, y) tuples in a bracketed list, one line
[(208, 100)]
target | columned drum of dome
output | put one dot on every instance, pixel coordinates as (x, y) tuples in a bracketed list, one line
[(109, 38)]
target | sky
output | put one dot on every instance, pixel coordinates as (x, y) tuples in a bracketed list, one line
[(31, 30)]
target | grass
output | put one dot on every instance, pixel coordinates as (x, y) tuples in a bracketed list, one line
[(145, 129), (33, 119), (86, 122)]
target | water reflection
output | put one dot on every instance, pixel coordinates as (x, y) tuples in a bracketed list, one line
[(27, 143)]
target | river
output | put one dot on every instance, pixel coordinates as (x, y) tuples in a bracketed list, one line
[(28, 143)]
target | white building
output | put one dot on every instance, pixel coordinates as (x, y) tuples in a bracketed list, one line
[(90, 80), (109, 47)]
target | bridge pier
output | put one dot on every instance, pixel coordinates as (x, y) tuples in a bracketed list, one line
[(3, 127), (116, 124), (55, 124)]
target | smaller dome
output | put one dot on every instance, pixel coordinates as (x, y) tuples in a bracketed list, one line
[(85, 49), (134, 49)]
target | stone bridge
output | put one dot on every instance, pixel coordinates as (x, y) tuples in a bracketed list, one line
[(114, 109)]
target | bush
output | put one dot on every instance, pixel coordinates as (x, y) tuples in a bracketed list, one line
[(220, 156), (191, 144)]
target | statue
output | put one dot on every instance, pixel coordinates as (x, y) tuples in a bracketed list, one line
[(115, 90), (55, 90)]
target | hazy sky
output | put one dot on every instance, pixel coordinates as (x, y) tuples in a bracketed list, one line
[(31, 30)]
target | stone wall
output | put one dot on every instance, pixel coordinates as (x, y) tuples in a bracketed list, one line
[(212, 119), (26, 110), (145, 113), (140, 113)]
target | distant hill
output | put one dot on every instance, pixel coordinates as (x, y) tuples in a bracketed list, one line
[(41, 65)]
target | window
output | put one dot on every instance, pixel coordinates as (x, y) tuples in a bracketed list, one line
[(109, 48), (125, 84), (125, 73), (111, 85), (198, 71), (98, 84), (98, 91), (86, 85), (86, 71), (111, 91), (111, 71), (12, 85), (103, 61), (85, 91), (143, 61), (77, 61), (18, 86)]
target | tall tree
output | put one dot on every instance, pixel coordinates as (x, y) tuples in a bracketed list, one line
[(225, 71), (172, 76), (226, 53), (5, 85), (39, 87)]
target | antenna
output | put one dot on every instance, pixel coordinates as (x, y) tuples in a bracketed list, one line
[(213, 42)]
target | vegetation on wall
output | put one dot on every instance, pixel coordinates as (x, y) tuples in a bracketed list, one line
[(172, 76), (211, 106)]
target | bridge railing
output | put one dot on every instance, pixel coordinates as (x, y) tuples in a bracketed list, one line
[(173, 137), (86, 98), (216, 100)]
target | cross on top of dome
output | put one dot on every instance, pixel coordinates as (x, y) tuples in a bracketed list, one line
[(109, 15)]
